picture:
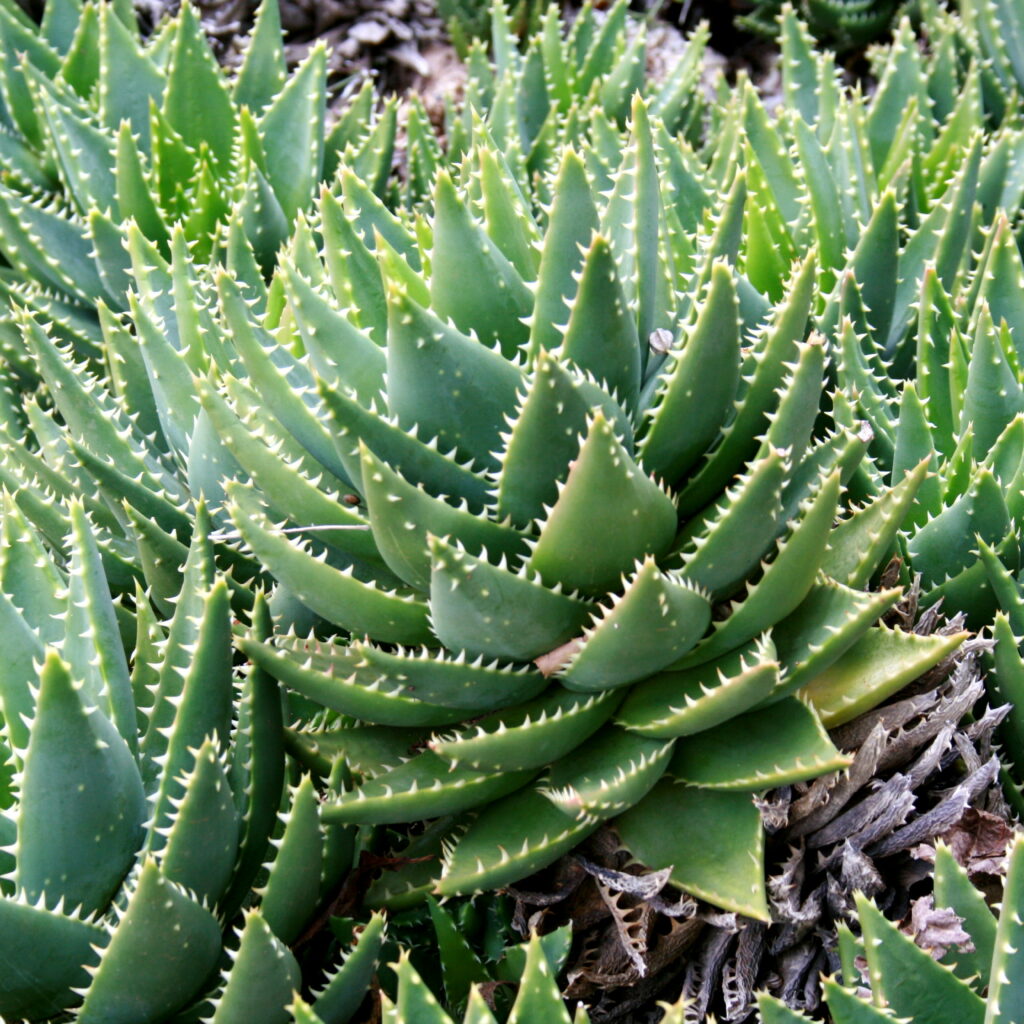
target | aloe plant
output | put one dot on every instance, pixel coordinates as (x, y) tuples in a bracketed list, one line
[(142, 800), (976, 982)]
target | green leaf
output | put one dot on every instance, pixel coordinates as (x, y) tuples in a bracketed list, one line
[(608, 774), (1005, 1002), (197, 104), (261, 980), (337, 595), (291, 131), (46, 957), (345, 988), (539, 1000), (698, 387), (263, 68), (609, 514), (953, 889), (530, 735), (82, 804), (510, 839), (130, 984), (425, 786), (682, 703), (486, 609), (880, 664), (905, 976), (292, 890), (657, 619), (726, 868), (341, 678), (773, 746), (445, 384), (497, 300), (202, 840), (571, 225)]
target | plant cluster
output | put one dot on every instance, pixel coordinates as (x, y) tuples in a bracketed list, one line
[(437, 523)]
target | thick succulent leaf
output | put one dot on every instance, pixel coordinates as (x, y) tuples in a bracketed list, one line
[(130, 985), (906, 976), (45, 957), (682, 703), (291, 892), (460, 966), (92, 644), (18, 675), (257, 764), (418, 461), (528, 736), (446, 384), (601, 335), (488, 610), (197, 104), (698, 387), (609, 513), (32, 233), (722, 547), (414, 1000), (539, 1000), (542, 441), (262, 977), (609, 774), (772, 746), (942, 547), (292, 134), (202, 839), (953, 889), (340, 678), (784, 583), (497, 302), (726, 867), (426, 786), (403, 516), (510, 839), (335, 594), (82, 804), (859, 543), (655, 621), (571, 225), (343, 354), (263, 68), (345, 989), (287, 489), (269, 366), (1005, 1002), (765, 368), (878, 665), (830, 619)]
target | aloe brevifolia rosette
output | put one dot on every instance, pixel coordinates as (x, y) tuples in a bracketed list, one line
[(140, 801), (531, 482), (976, 980)]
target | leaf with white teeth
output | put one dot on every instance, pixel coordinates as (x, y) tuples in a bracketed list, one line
[(657, 619), (336, 595), (402, 517), (608, 775), (426, 786), (488, 610), (608, 514), (81, 802), (528, 736), (684, 702)]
